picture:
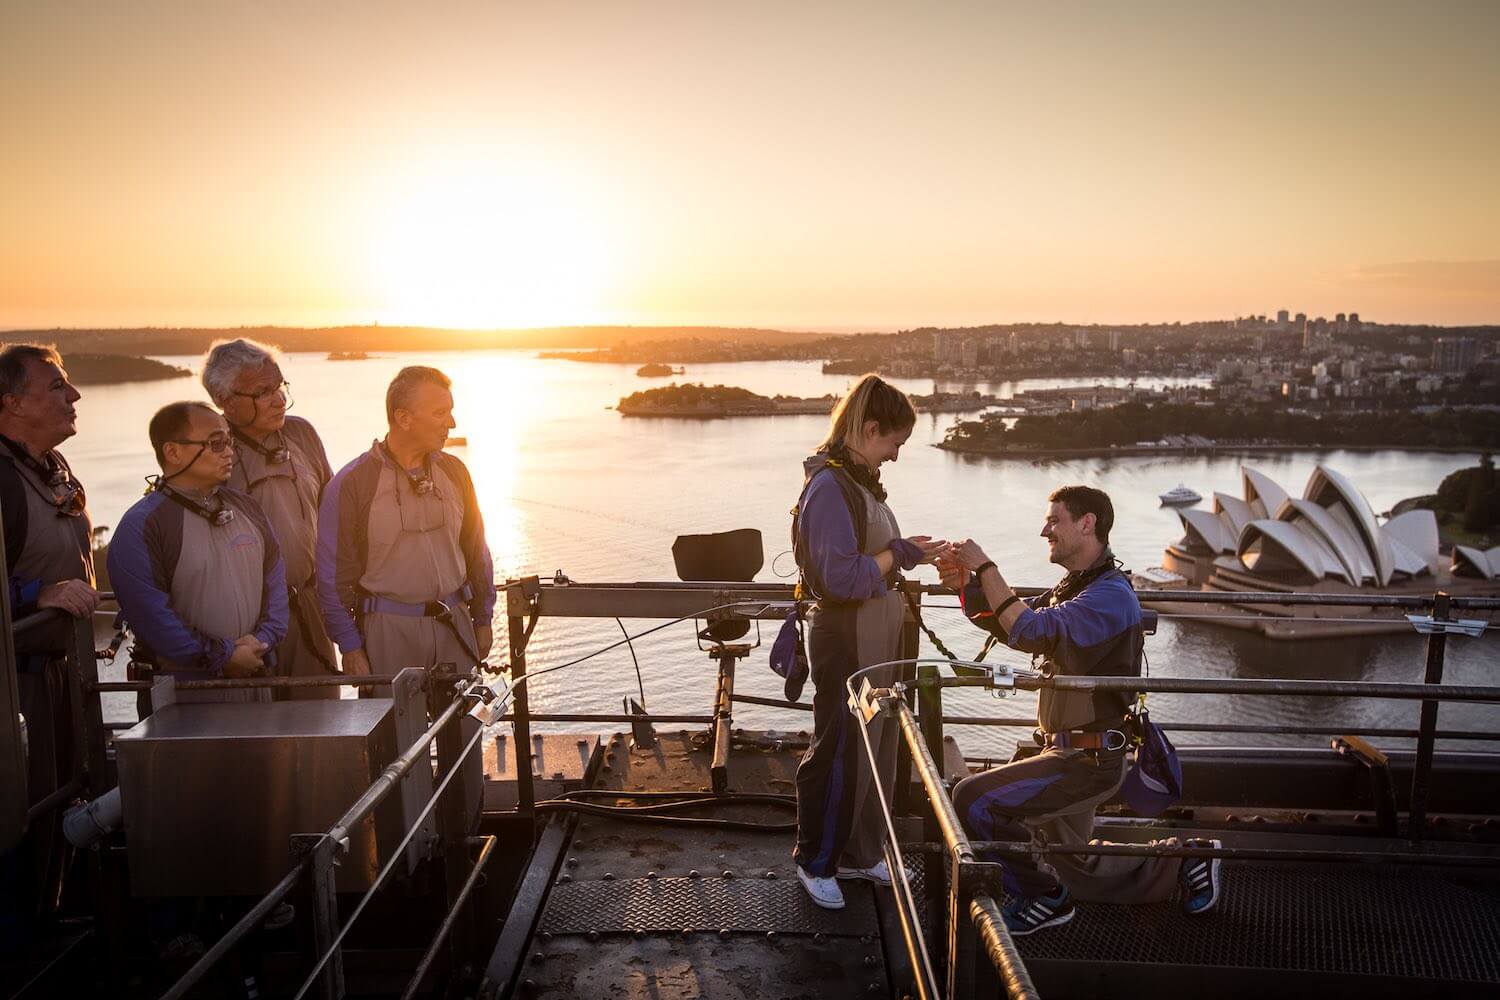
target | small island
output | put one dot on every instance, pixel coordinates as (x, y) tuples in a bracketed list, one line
[(695, 401), (348, 356), (655, 370), (114, 369), (1143, 429)]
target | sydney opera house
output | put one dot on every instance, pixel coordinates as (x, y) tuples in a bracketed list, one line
[(1328, 540)]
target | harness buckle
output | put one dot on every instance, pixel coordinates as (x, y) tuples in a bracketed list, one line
[(438, 610)]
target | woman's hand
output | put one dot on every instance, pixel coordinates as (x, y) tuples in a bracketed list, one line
[(912, 552)]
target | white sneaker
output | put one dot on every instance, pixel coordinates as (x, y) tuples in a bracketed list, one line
[(877, 873), (824, 891)]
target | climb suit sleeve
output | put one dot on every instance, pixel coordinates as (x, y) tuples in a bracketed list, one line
[(847, 573), (343, 518), (142, 556), (13, 505), (1097, 617)]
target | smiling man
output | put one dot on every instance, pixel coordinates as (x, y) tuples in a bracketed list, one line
[(404, 573), (279, 461), (1089, 624), (195, 565)]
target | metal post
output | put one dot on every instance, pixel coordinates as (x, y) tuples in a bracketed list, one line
[(911, 639), (1421, 772), (325, 910), (454, 811), (410, 706), (723, 716), (525, 787)]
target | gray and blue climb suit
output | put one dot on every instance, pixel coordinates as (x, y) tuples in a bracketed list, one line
[(289, 491), (189, 588), (1088, 625), (856, 623), (389, 547), (42, 547)]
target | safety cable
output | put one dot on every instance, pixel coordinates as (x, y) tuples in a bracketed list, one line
[(663, 812), (640, 684), (517, 681), (397, 855)]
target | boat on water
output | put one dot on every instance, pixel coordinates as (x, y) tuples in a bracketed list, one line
[(437, 846), (1179, 494)]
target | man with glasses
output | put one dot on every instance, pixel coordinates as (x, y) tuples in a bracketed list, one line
[(279, 461), (50, 564), (195, 566), (404, 573)]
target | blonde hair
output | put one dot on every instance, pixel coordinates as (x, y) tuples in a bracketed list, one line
[(871, 398)]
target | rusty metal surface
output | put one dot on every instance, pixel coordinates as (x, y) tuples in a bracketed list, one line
[(706, 966), (647, 911), (674, 904)]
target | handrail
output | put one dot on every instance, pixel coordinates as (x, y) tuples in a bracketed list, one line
[(338, 833)]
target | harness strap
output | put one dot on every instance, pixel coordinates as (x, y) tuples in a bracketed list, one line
[(308, 639), (1111, 739), (369, 604)]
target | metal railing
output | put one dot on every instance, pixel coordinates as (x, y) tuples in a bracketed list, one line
[(972, 901), (974, 922)]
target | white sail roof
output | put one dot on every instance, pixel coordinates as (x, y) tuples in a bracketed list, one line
[(1207, 530), (1272, 548), (1235, 512), (1414, 540), (1483, 563), (1262, 494), (1344, 547), (1331, 489)]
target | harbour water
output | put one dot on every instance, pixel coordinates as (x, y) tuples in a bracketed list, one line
[(566, 483)]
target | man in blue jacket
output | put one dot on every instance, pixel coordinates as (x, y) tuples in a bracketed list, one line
[(195, 565), (1087, 625)]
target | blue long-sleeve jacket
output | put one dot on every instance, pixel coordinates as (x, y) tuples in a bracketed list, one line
[(144, 556), (1096, 632), (827, 531)]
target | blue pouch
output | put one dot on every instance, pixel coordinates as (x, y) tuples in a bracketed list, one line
[(1154, 782), (789, 655)]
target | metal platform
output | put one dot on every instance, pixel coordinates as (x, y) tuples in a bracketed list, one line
[(663, 912)]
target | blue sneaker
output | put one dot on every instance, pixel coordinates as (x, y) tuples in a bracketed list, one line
[(1026, 914), (1201, 885)]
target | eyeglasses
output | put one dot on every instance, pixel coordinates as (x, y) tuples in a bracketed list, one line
[(284, 388), (216, 443)]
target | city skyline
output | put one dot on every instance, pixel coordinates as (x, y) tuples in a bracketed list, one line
[(849, 167)]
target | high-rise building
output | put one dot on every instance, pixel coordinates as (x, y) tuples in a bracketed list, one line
[(1114, 340), (947, 347), (1081, 339), (1354, 324), (1282, 318), (1454, 354), (1013, 343), (969, 353), (1341, 323)]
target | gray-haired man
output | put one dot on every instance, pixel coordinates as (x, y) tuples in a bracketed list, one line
[(404, 573), (279, 461)]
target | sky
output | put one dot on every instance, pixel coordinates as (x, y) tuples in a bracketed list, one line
[(827, 165)]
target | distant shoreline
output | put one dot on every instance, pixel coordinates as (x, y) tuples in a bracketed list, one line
[(1253, 449)]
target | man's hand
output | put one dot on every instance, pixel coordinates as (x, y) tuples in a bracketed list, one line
[(954, 574), (969, 555), (484, 639), (73, 596), (246, 660), (357, 662)]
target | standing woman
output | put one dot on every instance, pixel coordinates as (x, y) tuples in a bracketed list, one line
[(849, 549)]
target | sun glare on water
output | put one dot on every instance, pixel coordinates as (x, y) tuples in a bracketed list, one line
[(482, 248)]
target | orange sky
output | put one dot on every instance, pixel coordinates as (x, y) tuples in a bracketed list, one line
[(825, 165)]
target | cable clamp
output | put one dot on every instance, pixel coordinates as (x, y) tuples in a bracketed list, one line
[(1427, 625)]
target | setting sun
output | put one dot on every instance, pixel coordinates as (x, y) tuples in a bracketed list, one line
[(485, 245)]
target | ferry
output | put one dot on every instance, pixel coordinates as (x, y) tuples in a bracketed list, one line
[(1179, 494), (426, 842)]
